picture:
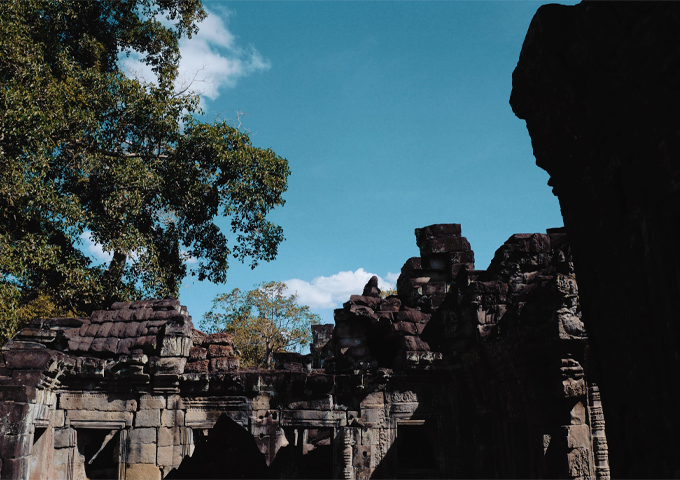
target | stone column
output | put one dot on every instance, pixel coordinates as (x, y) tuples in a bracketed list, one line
[(347, 453), (600, 449)]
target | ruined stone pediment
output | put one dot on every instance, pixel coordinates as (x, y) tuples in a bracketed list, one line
[(397, 387)]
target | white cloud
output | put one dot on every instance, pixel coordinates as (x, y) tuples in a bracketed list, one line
[(329, 292), (95, 249), (392, 277), (211, 59)]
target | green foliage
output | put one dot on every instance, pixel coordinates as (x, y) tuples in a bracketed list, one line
[(387, 293), (263, 321), (85, 148)]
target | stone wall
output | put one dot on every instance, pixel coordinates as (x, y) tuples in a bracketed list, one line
[(597, 84), (465, 373)]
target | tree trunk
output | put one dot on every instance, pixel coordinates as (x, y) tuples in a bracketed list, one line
[(113, 279)]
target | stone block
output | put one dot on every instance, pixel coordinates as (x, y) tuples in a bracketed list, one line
[(12, 446), (64, 437), (12, 417), (142, 435), (171, 418), (413, 343), (28, 358), (124, 346), (148, 418), (438, 230), (61, 456), (170, 455), (198, 353), (147, 402), (140, 314), (169, 364), (176, 346), (118, 329), (121, 305), (578, 464), (573, 388), (174, 402), (130, 329), (375, 399), (147, 343), (215, 351), (104, 329), (107, 402), (57, 418), (391, 304), (371, 302), (219, 339), (578, 414), (142, 453), (261, 402), (168, 436), (103, 316), (414, 316), (26, 377), (578, 436), (197, 367), (443, 245), (404, 328), (17, 393), (97, 418), (15, 467), (224, 364)]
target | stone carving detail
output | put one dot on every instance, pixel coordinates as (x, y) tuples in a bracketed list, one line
[(600, 449), (402, 397)]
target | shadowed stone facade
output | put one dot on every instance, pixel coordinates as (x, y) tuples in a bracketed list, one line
[(464, 373), (597, 84)]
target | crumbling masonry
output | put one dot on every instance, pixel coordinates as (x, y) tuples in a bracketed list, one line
[(465, 373)]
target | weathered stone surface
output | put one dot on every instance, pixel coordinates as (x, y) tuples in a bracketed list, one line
[(224, 364), (64, 437), (219, 339), (611, 152), (171, 418), (148, 418), (142, 453), (479, 357), (371, 289), (142, 472), (215, 351), (201, 366), (142, 436), (108, 402), (96, 416), (147, 402)]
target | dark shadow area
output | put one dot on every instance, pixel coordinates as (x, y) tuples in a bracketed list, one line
[(229, 451), (415, 451), (105, 464), (311, 456)]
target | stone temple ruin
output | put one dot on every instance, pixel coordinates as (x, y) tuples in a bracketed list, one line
[(464, 373)]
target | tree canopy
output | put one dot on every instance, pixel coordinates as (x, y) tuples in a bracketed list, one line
[(85, 148), (263, 321)]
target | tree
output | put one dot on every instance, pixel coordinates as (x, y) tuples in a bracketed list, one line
[(84, 148), (263, 321)]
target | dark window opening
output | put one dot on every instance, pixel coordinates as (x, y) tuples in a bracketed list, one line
[(416, 451), (105, 464), (37, 434)]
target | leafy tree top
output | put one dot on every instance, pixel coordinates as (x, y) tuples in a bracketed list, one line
[(263, 321), (85, 148)]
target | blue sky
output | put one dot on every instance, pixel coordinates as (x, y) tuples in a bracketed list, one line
[(392, 115)]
